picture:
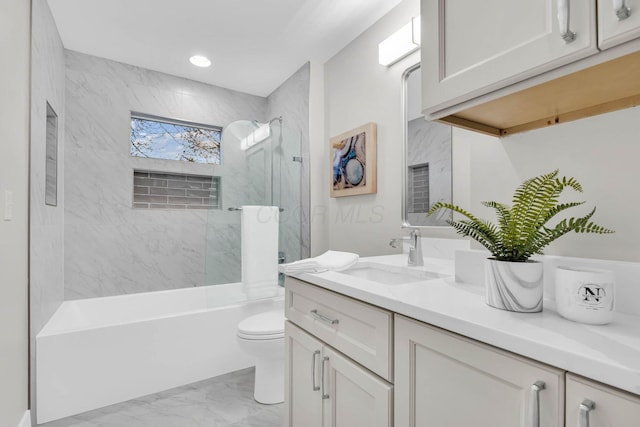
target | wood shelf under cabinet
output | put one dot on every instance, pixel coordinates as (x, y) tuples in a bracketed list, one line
[(606, 87)]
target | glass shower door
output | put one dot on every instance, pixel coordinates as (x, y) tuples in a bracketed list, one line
[(267, 173)]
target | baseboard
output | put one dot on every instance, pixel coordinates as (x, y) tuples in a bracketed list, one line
[(26, 420)]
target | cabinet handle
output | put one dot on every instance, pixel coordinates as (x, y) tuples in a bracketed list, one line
[(324, 395), (621, 9), (323, 318), (564, 15), (535, 402), (313, 370), (585, 407)]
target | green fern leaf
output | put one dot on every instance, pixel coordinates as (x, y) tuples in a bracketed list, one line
[(522, 229)]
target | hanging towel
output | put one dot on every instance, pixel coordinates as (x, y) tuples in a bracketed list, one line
[(259, 248), (328, 261)]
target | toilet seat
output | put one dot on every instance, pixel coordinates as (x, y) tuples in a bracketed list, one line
[(263, 326)]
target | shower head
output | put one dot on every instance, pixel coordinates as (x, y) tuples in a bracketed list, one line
[(259, 134)]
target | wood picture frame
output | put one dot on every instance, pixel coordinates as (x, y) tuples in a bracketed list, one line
[(354, 162)]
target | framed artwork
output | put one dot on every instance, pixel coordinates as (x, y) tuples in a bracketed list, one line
[(353, 162)]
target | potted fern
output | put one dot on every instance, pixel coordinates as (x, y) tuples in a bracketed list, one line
[(512, 281)]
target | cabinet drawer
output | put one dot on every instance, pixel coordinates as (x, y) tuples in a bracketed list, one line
[(360, 331), (611, 407)]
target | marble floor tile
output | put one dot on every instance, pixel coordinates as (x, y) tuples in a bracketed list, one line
[(223, 401)]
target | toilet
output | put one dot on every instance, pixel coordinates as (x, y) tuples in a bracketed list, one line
[(262, 337)]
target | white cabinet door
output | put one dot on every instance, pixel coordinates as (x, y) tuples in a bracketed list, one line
[(470, 48), (611, 407), (618, 22), (444, 380), (303, 360), (324, 388), (355, 397)]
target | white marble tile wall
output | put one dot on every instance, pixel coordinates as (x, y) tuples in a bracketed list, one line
[(291, 101), (111, 248), (46, 222), (430, 142)]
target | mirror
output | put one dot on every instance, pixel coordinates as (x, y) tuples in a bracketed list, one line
[(427, 160)]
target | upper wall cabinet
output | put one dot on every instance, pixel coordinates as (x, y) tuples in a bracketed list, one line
[(506, 66), (618, 22), (474, 47)]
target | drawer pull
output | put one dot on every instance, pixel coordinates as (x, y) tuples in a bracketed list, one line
[(322, 374), (585, 407), (535, 402), (313, 370), (323, 318), (621, 9), (564, 15)]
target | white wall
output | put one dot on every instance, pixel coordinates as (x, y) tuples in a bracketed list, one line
[(602, 152), (359, 90), (318, 173), (14, 167), (47, 222)]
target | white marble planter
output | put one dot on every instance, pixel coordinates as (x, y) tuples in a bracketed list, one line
[(513, 286)]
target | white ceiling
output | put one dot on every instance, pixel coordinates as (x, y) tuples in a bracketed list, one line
[(255, 45)]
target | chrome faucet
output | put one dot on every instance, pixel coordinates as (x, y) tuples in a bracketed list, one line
[(415, 248)]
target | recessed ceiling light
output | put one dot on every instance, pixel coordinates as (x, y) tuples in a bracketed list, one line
[(200, 61)]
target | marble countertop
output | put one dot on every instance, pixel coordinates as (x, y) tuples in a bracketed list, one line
[(606, 353)]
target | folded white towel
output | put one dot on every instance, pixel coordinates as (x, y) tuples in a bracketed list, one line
[(328, 261)]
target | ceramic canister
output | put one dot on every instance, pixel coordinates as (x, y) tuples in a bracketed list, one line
[(585, 295)]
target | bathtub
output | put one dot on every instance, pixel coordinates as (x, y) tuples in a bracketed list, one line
[(100, 351)]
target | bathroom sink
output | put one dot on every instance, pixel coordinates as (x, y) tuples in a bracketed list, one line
[(390, 275)]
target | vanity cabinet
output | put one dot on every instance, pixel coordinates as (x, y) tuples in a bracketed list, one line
[(470, 48), (338, 360), (352, 364), (445, 380), (590, 404)]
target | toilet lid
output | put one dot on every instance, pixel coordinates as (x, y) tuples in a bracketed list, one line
[(263, 325)]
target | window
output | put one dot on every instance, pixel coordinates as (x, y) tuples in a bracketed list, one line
[(160, 138)]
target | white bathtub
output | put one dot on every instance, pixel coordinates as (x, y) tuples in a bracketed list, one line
[(100, 351)]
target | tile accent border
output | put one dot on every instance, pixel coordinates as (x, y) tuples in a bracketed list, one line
[(162, 190)]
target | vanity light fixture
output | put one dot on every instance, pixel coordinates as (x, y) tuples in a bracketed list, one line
[(400, 44), (200, 61)]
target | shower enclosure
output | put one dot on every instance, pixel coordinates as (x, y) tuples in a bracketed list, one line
[(261, 165)]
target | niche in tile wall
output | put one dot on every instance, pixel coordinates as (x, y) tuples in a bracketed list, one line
[(162, 190), (418, 189), (51, 167)]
